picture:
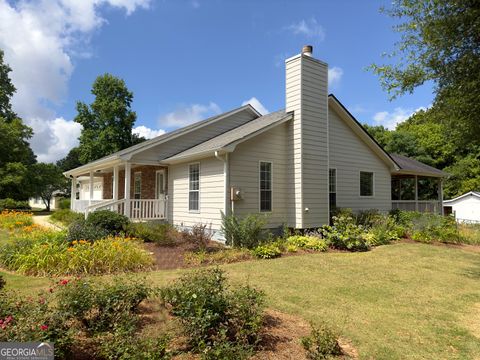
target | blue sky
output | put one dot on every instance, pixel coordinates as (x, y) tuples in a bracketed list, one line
[(186, 60)]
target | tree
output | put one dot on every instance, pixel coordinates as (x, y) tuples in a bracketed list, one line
[(47, 180), (71, 161), (108, 121), (16, 156), (440, 42), (6, 91)]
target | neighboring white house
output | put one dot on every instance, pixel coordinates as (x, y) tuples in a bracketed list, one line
[(37, 202), (465, 208), (294, 165)]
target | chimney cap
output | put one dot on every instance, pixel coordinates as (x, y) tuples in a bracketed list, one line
[(307, 50)]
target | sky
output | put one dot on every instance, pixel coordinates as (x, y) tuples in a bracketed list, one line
[(185, 60)]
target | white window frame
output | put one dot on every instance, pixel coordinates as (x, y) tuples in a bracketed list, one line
[(336, 174), (360, 185), (196, 211), (161, 171), (260, 188), (134, 181)]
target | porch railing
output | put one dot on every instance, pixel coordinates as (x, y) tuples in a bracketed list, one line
[(431, 206), (82, 205), (139, 209)]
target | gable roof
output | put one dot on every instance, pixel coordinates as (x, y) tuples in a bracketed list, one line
[(412, 166), (470, 193), (360, 131), (230, 139), (127, 153)]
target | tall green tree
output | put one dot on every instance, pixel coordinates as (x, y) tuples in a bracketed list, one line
[(6, 90), (108, 121), (440, 42), (16, 156), (47, 179), (71, 160)]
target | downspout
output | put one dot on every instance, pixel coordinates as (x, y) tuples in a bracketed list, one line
[(226, 182)]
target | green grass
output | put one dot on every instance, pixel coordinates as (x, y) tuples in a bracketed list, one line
[(403, 301)]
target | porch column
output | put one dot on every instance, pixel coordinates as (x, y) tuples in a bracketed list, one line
[(91, 188), (416, 193), (73, 195), (115, 183), (440, 195), (128, 176)]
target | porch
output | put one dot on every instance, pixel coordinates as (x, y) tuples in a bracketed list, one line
[(136, 190), (417, 193)]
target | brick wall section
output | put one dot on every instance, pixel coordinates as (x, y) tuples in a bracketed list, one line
[(148, 182)]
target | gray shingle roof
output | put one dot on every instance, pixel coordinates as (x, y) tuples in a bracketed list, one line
[(235, 135), (410, 165)]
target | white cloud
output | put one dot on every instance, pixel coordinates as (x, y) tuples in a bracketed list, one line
[(188, 115), (391, 119), (39, 39), (257, 105), (310, 28), (53, 139), (334, 75), (146, 132)]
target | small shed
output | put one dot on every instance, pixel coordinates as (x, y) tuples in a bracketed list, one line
[(465, 208)]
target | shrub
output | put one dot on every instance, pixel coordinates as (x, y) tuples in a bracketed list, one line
[(307, 242), (367, 218), (122, 345), (431, 227), (223, 256), (211, 313), (102, 307), (80, 230), (247, 232), (66, 216), (198, 235), (267, 251), (345, 234), (114, 223), (10, 204), (321, 343), (470, 232), (2, 283), (64, 204), (383, 231), (10, 219), (34, 318), (162, 234)]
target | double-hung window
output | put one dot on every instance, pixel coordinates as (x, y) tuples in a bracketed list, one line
[(366, 183), (332, 188), (265, 186), (137, 185), (194, 187)]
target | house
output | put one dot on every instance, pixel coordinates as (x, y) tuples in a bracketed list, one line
[(465, 208), (293, 165), (37, 202)]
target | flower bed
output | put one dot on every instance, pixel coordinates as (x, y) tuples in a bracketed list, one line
[(35, 250), (11, 219)]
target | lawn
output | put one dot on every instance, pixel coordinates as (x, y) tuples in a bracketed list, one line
[(401, 301)]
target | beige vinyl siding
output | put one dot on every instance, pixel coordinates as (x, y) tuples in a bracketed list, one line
[(244, 173), (211, 194), (350, 155), (186, 141)]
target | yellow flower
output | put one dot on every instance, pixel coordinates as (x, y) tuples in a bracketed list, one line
[(71, 249), (74, 242)]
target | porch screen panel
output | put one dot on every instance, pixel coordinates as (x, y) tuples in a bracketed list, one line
[(194, 187)]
